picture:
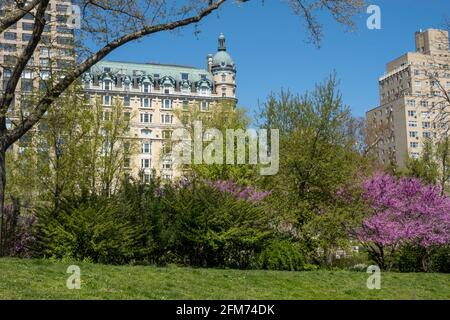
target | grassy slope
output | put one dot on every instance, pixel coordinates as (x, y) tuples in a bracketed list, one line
[(39, 279)]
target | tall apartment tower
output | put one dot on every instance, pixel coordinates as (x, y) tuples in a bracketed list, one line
[(152, 94), (54, 53), (412, 100)]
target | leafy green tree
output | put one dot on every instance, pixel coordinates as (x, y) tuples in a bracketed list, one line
[(77, 150), (318, 156), (443, 159), (424, 168), (222, 116)]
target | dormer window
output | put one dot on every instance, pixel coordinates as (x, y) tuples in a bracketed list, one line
[(167, 89), (107, 85), (185, 89), (204, 91), (146, 87)]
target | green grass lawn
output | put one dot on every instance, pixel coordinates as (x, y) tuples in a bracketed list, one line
[(42, 279)]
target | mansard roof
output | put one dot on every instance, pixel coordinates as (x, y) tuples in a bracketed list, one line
[(149, 70)]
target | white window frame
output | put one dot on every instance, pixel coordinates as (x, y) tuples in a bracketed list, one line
[(146, 87), (146, 147), (146, 163), (204, 106), (144, 101), (166, 116), (107, 100), (145, 116), (129, 101), (110, 85), (163, 105)]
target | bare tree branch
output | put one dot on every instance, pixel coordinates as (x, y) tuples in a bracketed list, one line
[(8, 94), (16, 14), (42, 106)]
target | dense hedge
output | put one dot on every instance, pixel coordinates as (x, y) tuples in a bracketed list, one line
[(418, 259), (194, 224)]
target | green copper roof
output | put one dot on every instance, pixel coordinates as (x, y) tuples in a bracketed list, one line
[(141, 69)]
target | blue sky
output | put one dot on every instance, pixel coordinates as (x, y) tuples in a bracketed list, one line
[(268, 44)]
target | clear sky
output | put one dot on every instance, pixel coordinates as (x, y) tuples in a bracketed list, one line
[(268, 45)]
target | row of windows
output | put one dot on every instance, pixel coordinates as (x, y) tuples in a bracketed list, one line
[(426, 124), (146, 164), (415, 134), (147, 87), (424, 114), (146, 177), (414, 124), (148, 118), (147, 103), (424, 103)]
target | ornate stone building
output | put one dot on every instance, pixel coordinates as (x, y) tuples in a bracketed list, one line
[(151, 93)]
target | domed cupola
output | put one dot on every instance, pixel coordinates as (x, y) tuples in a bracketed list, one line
[(222, 60)]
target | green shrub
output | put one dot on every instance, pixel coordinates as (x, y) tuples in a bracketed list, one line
[(410, 258), (440, 259), (86, 231), (211, 228), (310, 267), (281, 255)]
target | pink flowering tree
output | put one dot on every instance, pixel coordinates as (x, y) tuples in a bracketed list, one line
[(247, 193), (404, 212)]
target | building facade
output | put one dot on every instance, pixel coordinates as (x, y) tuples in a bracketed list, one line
[(54, 52), (150, 95), (413, 100)]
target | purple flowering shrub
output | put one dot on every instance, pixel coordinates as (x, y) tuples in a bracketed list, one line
[(19, 232), (404, 212), (248, 193)]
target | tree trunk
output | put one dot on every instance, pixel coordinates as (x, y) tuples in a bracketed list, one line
[(427, 262), (2, 198)]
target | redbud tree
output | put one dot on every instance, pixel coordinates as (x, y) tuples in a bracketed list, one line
[(404, 211)]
